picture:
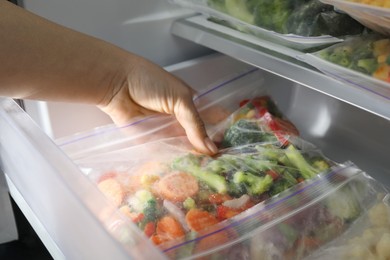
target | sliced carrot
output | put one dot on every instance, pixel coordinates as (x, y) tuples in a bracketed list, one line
[(198, 220), (158, 239), (149, 229), (113, 190), (130, 183), (169, 228), (177, 186)]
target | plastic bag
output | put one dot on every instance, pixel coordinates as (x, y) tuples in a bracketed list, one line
[(257, 120), (303, 24), (359, 61), (171, 193), (293, 225), (373, 14), (214, 104), (368, 239)]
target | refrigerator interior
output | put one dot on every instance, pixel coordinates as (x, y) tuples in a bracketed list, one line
[(345, 123), (54, 180)]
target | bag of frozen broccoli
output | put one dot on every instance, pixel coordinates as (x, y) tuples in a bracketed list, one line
[(301, 24), (256, 120)]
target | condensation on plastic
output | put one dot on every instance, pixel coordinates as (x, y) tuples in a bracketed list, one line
[(276, 228), (374, 17), (291, 40), (214, 104), (351, 77)]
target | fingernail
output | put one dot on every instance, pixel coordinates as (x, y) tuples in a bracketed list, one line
[(210, 145)]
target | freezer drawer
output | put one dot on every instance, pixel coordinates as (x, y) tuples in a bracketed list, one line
[(71, 215)]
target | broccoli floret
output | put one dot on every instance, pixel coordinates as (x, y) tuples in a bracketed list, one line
[(140, 199), (288, 174), (273, 14), (315, 18), (150, 211), (279, 186), (246, 161), (301, 22), (244, 132), (191, 164), (344, 203), (297, 159), (144, 202), (255, 185), (239, 10), (319, 163), (369, 66)]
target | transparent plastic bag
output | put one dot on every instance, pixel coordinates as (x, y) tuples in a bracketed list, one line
[(293, 225), (368, 239), (214, 103), (373, 14), (172, 194), (358, 61), (257, 120), (304, 24)]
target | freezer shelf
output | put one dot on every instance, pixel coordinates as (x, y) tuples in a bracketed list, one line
[(71, 213), (275, 58)]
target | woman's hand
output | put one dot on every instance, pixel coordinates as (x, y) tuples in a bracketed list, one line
[(45, 61), (149, 89)]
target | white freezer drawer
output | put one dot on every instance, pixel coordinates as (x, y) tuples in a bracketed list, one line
[(67, 210)]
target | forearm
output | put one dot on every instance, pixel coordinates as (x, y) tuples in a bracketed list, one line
[(41, 60)]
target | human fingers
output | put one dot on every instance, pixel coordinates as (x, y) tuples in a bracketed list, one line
[(187, 115)]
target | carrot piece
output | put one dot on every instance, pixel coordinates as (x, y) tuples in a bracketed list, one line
[(169, 228), (200, 219), (149, 229), (158, 239), (113, 190), (178, 186), (218, 198)]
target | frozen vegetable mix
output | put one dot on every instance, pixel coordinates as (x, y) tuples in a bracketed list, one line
[(177, 195), (257, 120), (267, 193), (368, 55)]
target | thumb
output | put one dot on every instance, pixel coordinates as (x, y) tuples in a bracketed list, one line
[(188, 116)]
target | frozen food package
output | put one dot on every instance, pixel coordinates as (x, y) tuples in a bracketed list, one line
[(308, 23), (261, 199), (363, 62), (256, 120), (175, 195), (214, 102), (375, 14)]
